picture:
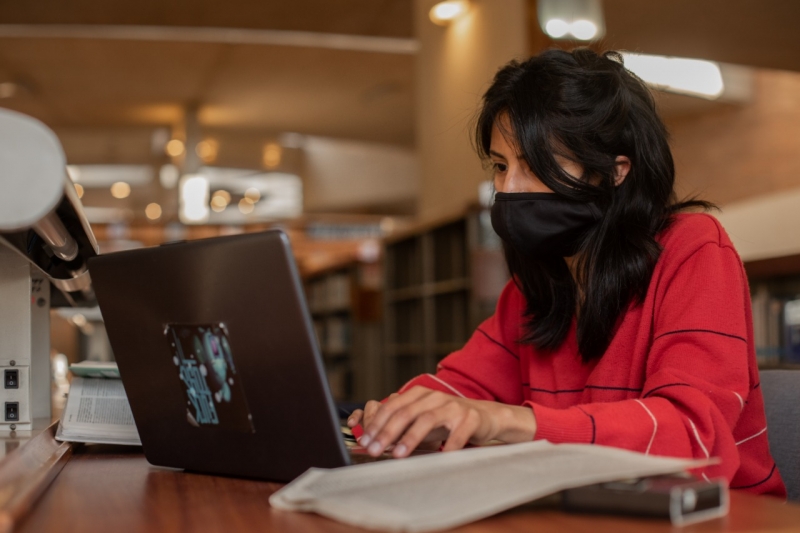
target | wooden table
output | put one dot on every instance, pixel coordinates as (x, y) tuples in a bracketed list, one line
[(109, 489)]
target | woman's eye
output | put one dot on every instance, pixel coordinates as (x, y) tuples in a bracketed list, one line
[(500, 167)]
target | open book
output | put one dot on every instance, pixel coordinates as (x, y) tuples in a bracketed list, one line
[(445, 490), (97, 410)]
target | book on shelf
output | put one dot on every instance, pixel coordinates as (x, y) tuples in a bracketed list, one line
[(97, 411), (769, 327), (95, 369), (337, 335)]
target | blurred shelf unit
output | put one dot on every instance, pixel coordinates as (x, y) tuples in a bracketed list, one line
[(442, 281), (345, 307), (775, 297)]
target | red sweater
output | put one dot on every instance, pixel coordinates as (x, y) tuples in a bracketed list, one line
[(679, 377)]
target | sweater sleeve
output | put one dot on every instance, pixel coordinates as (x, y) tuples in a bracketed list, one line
[(697, 372), (488, 366)]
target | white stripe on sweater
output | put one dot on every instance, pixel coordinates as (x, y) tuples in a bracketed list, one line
[(697, 436), (751, 436), (741, 400), (655, 426)]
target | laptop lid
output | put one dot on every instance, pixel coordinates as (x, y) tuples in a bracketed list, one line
[(217, 354)]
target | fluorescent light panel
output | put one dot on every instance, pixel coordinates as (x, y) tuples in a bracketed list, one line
[(695, 77), (102, 176)]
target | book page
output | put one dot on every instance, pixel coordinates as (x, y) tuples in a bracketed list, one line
[(449, 489), (97, 410)]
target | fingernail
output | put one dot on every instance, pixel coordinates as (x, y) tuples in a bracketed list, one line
[(400, 450), (364, 440), (350, 422), (375, 448)]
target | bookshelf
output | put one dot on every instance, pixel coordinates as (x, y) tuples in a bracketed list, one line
[(344, 302), (442, 280), (775, 297)]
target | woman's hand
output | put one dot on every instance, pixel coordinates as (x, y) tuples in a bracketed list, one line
[(422, 415)]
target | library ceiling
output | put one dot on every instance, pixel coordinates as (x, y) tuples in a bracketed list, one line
[(226, 60)]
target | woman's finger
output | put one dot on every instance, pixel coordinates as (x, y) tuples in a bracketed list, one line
[(369, 412), (402, 418), (461, 434), (354, 418), (374, 421), (443, 417)]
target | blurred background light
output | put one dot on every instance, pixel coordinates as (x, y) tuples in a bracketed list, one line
[(207, 150), (252, 194), (220, 200), (194, 199), (695, 77), (120, 190), (556, 28), (584, 30), (168, 176), (578, 19), (246, 206), (445, 12), (175, 148), (153, 211), (272, 155)]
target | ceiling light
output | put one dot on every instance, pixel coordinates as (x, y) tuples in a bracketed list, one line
[(79, 190), (579, 19), (174, 148), (584, 30), (445, 12), (218, 208), (120, 190), (246, 206), (695, 77), (194, 199), (153, 211), (556, 28)]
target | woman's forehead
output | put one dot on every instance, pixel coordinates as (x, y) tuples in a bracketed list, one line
[(503, 133)]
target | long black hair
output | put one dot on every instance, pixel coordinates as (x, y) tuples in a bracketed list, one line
[(588, 108)]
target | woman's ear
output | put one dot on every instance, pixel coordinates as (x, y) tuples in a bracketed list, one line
[(622, 167)]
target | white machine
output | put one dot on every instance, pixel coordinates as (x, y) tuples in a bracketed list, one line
[(45, 242)]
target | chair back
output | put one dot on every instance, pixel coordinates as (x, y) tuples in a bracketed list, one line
[(781, 390)]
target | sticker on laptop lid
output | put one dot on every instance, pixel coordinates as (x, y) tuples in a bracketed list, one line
[(204, 361)]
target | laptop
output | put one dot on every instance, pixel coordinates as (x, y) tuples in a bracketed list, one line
[(218, 356)]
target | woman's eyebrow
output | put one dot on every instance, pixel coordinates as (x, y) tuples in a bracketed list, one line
[(496, 154)]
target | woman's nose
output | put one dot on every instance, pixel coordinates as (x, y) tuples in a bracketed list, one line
[(514, 182)]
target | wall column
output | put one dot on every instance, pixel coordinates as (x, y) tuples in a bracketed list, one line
[(455, 65)]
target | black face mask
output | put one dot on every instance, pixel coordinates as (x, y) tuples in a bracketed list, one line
[(542, 225)]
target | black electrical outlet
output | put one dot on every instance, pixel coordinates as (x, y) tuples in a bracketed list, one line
[(11, 379), (12, 411)]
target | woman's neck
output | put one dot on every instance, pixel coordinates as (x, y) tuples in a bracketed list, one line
[(572, 264)]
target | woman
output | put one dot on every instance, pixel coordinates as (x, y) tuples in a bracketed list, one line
[(627, 323)]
